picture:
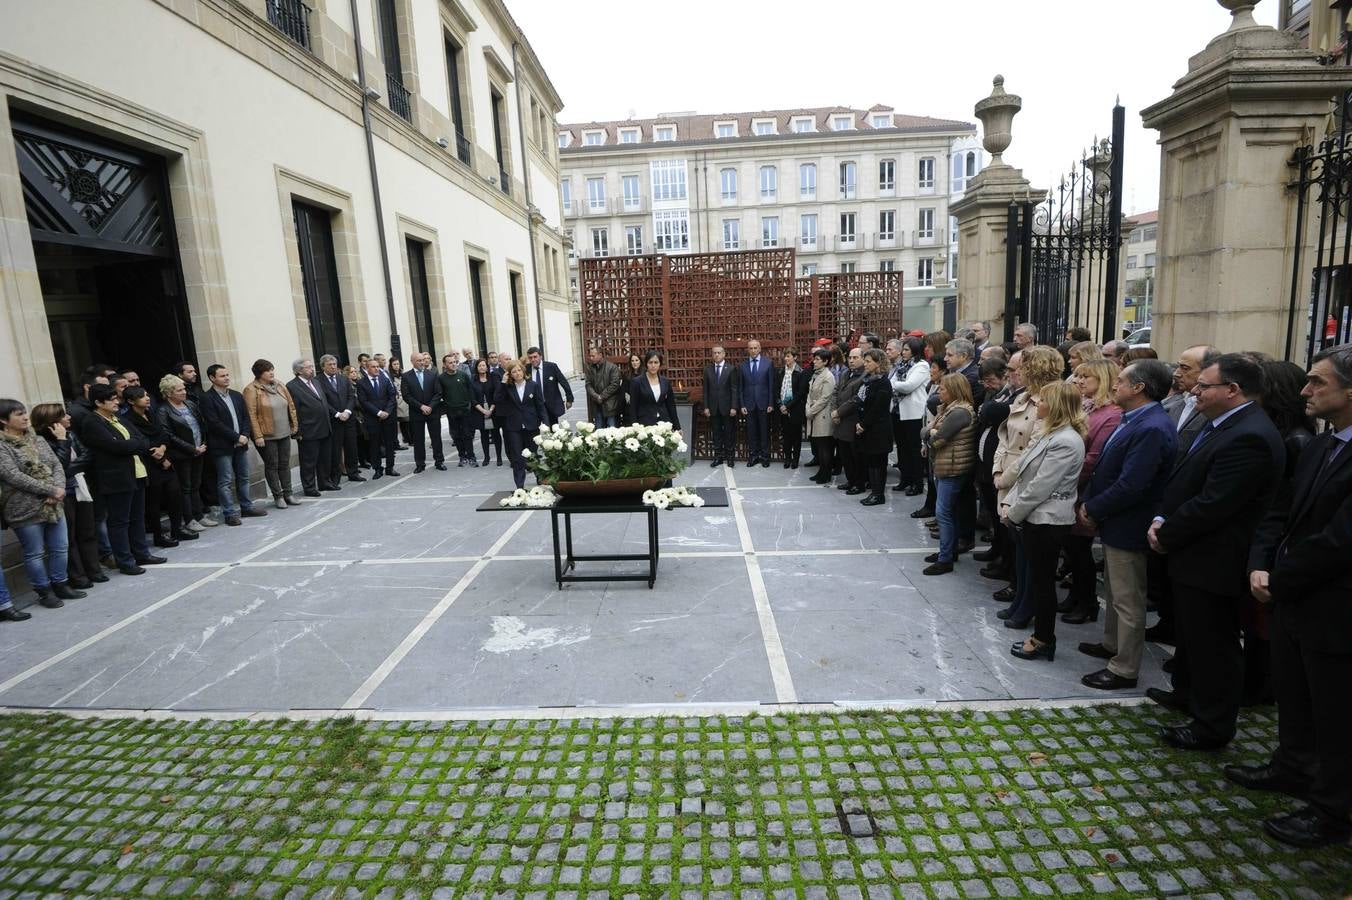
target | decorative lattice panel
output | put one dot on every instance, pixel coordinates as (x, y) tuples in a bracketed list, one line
[(852, 303), (622, 304)]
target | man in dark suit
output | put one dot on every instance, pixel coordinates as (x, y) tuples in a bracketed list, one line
[(721, 401), (375, 393), (1299, 566), (553, 387), (342, 400), (228, 437), (422, 393), (1120, 500), (1212, 504), (755, 393), (315, 433)]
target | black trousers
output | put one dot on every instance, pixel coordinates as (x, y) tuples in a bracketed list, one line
[(344, 457), (999, 534), (850, 464), (127, 524), (1207, 625), (792, 433), (1159, 590), (493, 437), (1314, 722), (430, 426), (1043, 543), (875, 470), (382, 435), (82, 537), (1083, 573), (822, 449), (462, 434), (723, 433), (164, 496), (909, 462), (966, 511), (315, 455), (190, 482), (757, 435), (515, 439)]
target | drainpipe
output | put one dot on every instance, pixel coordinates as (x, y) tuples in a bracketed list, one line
[(396, 350), (525, 180)]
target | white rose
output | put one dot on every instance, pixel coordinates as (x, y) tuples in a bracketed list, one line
[(631, 444), (592, 441), (539, 439), (575, 443), (586, 427), (526, 454), (681, 448)]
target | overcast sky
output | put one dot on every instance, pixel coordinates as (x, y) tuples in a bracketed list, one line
[(1067, 59)]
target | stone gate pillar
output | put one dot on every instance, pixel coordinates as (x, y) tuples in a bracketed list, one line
[(1226, 218), (983, 216)]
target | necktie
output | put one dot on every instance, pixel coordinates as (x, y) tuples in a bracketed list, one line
[(420, 379), (753, 366), (540, 378), (333, 380), (313, 389), (1335, 446), (719, 375), (1205, 433)]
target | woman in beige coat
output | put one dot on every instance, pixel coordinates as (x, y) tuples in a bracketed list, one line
[(818, 412), (272, 413)]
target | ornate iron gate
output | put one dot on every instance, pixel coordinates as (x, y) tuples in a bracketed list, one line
[(1324, 190), (1062, 263)]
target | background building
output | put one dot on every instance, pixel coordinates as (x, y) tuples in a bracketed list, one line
[(210, 196), (1139, 254), (849, 189)]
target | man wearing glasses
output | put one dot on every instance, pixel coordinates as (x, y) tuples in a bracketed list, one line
[(1217, 494)]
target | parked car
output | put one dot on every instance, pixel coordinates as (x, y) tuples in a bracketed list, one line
[(1139, 338)]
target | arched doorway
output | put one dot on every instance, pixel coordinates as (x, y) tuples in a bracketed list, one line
[(107, 256)]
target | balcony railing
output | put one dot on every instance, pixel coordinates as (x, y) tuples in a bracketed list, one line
[(504, 182), (291, 18), (462, 149), (400, 98)]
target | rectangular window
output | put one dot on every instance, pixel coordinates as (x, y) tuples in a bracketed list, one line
[(396, 93), (593, 138), (809, 269), (633, 239), (455, 60), (1150, 232), (959, 181), (732, 234), (807, 224), (924, 272), (600, 241), (847, 267), (887, 265), (422, 306), (664, 133), (632, 198), (629, 135), (804, 125), (499, 109), (882, 120), (887, 225), (952, 229), (887, 175), (847, 229), (848, 172), (671, 228), (727, 179), (1150, 260), (953, 268), (566, 186), (596, 194), (668, 176), (764, 127), (564, 139), (725, 129), (319, 279), (769, 182), (1131, 262), (925, 175), (770, 231), (842, 123), (807, 181), (925, 225)]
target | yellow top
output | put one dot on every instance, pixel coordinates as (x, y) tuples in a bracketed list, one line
[(122, 430)]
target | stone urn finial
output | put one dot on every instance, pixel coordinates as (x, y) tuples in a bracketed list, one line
[(1241, 13), (996, 113)]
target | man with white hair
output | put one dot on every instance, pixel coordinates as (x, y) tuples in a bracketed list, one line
[(314, 429), (1025, 335)]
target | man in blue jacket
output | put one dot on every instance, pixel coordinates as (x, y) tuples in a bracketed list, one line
[(1120, 500), (228, 439), (757, 396)]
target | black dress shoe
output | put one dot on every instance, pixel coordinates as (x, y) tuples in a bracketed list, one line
[(312, 493), (938, 568), (715, 463), (990, 554), (1018, 624), (898, 488), (923, 512), (964, 547), (1080, 616), (151, 560), (1004, 595), (108, 562), (933, 557), (1066, 605), (356, 478), (377, 476), (1004, 613), (732, 464), (812, 462), (1307, 828), (1157, 635), (418, 469), (855, 491), (323, 487), (786, 465), (186, 536), (817, 479), (81, 583), (1266, 778), (1186, 737), (765, 463), (914, 490), (995, 573), (99, 578), (252, 512), (873, 500), (1096, 650), (166, 543), (843, 486), (1039, 651), (131, 570), (63, 591), (441, 466), (1168, 666), (10, 614), (392, 473), (1168, 699), (1103, 680)]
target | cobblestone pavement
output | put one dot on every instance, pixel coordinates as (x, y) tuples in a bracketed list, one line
[(848, 805)]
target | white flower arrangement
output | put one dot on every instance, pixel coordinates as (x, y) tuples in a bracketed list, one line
[(672, 496), (583, 452), (541, 496)]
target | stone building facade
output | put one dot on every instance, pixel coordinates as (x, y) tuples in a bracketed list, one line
[(213, 196)]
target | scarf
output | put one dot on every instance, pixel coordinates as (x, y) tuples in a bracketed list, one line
[(863, 387), (33, 466)]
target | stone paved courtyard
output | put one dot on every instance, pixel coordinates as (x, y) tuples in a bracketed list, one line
[(397, 595)]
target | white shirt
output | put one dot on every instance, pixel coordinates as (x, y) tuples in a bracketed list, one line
[(1189, 404), (656, 389)]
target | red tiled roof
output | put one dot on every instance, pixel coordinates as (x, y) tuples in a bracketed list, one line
[(1145, 218)]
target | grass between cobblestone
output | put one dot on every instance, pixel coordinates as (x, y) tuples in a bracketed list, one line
[(961, 804)]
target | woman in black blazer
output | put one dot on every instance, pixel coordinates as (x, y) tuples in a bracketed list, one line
[(792, 414), (483, 389), (650, 397), (119, 478), (520, 411), (874, 431)]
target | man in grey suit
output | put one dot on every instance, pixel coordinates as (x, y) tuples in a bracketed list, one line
[(721, 400), (313, 415)]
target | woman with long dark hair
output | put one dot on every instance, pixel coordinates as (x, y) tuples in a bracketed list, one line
[(874, 429), (163, 491), (627, 376), (52, 423), (483, 394)]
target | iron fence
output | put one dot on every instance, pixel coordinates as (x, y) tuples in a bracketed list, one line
[(291, 18)]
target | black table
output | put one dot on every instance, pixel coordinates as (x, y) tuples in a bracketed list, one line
[(565, 563)]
